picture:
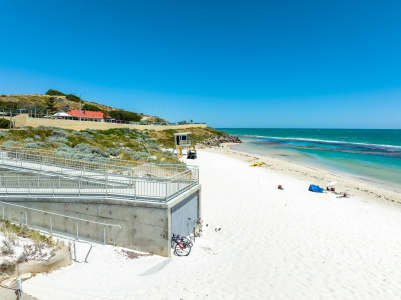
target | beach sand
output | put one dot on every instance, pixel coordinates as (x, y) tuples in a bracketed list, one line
[(351, 184), (273, 244)]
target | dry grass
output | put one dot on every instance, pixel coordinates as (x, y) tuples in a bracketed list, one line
[(39, 101), (11, 231)]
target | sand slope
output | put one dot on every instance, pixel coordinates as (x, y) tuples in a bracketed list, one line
[(273, 244)]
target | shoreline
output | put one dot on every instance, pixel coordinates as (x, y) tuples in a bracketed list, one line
[(351, 184), (257, 242)]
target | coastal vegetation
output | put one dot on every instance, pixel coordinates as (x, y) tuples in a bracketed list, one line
[(93, 145), (73, 98), (34, 251), (70, 97), (96, 145), (200, 136), (123, 143), (10, 231), (4, 123), (91, 107), (53, 101), (125, 115), (52, 92)]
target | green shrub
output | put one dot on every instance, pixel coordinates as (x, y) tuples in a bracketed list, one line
[(73, 98), (3, 134), (4, 123), (8, 105), (35, 237), (52, 92), (10, 144), (57, 139), (90, 107), (58, 132), (159, 120), (35, 145), (76, 139), (125, 115), (51, 105), (121, 132)]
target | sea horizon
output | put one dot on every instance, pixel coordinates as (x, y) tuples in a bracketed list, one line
[(373, 154)]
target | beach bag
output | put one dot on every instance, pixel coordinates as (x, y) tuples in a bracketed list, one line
[(315, 188)]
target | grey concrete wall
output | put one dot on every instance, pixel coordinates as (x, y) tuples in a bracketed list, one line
[(145, 226)]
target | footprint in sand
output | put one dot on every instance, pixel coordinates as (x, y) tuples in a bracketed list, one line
[(209, 250)]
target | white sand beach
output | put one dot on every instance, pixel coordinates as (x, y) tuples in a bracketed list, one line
[(346, 182), (273, 244)]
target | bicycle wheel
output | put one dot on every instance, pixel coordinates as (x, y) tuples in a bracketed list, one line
[(187, 241), (184, 250)]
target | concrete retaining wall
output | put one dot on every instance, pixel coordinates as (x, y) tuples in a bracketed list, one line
[(24, 120), (145, 226)]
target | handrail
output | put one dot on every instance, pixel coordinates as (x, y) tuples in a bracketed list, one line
[(65, 236), (128, 168), (64, 176), (129, 162), (98, 180), (179, 174), (60, 215)]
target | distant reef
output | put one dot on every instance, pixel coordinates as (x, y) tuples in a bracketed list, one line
[(215, 141)]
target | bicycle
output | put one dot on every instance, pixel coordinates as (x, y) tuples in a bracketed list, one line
[(183, 245)]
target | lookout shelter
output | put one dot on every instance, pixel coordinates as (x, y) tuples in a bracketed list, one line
[(182, 139)]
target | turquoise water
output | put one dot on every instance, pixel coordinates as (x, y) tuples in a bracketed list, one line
[(370, 153)]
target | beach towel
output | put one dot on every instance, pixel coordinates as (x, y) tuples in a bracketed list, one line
[(315, 188)]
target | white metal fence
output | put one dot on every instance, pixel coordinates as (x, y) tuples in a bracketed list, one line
[(53, 222), (60, 177), (58, 185), (49, 161)]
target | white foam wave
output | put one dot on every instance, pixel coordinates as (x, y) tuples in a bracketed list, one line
[(387, 147)]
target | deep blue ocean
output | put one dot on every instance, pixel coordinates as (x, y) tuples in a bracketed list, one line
[(373, 154)]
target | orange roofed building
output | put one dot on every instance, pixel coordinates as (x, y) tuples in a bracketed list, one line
[(86, 115)]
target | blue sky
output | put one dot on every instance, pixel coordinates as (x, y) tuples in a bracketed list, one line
[(231, 64)]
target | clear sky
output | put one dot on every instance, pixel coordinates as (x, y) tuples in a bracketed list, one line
[(228, 63)]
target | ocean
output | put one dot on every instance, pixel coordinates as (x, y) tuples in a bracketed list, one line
[(372, 154)]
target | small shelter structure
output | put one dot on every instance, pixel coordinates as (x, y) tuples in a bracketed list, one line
[(61, 115), (182, 140)]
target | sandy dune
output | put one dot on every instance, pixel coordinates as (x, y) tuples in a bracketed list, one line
[(273, 244)]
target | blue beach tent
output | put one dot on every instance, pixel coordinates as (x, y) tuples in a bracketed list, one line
[(315, 188)]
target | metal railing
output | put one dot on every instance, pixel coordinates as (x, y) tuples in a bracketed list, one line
[(61, 187), (48, 220), (61, 177), (107, 165)]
